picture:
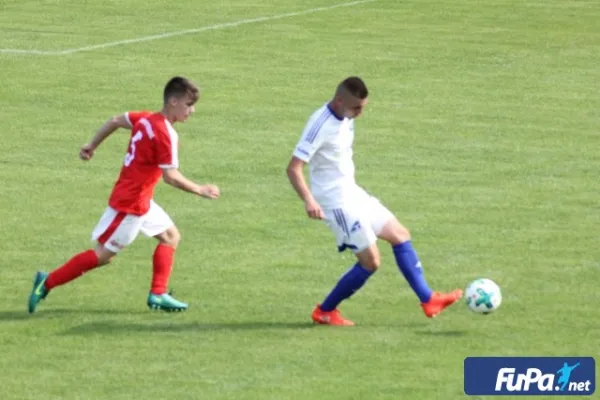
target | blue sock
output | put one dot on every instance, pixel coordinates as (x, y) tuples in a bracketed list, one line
[(410, 266), (349, 283)]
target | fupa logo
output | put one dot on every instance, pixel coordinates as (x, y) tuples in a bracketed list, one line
[(507, 378), (529, 376)]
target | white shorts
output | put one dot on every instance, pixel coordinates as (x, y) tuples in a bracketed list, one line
[(116, 230), (357, 226)]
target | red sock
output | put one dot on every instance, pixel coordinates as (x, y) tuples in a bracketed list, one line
[(162, 264), (72, 269)]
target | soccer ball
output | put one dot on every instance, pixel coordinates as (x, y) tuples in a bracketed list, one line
[(483, 296)]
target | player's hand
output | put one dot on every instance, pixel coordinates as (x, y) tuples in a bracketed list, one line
[(209, 191), (86, 152), (314, 210)]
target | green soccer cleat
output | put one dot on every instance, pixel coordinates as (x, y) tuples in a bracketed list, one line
[(39, 291), (165, 302)]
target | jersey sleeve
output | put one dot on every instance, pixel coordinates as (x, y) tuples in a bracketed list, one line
[(167, 148), (134, 116), (313, 137)]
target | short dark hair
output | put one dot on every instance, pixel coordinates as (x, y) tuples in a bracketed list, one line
[(179, 87), (355, 86)]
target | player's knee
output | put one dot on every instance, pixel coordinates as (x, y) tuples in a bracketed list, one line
[(376, 262), (171, 237), (104, 255), (394, 232), (402, 234), (372, 264), (370, 260), (175, 238), (399, 234)]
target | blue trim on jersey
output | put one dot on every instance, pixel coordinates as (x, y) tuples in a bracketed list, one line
[(333, 113), (337, 218), (345, 223), (341, 220), (312, 134), (302, 151), (336, 214)]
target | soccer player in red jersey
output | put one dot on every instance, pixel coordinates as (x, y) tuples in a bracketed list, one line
[(152, 153)]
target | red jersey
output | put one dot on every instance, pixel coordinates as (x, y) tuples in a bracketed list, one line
[(153, 146)]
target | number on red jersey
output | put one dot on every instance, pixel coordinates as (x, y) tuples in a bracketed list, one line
[(131, 153)]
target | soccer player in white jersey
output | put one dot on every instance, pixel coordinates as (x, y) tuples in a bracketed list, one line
[(355, 217)]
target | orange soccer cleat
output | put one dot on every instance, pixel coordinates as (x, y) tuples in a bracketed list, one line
[(439, 301), (329, 317)]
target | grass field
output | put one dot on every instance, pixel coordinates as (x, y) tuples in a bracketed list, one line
[(481, 135)]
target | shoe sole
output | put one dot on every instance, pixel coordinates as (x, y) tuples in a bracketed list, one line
[(156, 307), (317, 322), (442, 309)]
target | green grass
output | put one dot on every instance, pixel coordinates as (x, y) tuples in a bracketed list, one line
[(481, 135)]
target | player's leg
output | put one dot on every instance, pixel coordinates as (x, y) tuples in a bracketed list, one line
[(162, 259), (349, 232), (114, 231), (388, 228), (159, 225)]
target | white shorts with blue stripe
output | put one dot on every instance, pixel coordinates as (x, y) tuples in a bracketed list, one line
[(356, 226)]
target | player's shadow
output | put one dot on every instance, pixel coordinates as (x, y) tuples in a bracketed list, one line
[(6, 316), (448, 333), (114, 327)]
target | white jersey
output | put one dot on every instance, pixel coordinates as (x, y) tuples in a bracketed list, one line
[(326, 145)]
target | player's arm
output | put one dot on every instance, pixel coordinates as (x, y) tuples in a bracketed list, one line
[(295, 173), (167, 156), (111, 125), (173, 177), (309, 144)]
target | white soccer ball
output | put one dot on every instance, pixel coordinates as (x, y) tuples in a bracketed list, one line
[(483, 296)]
